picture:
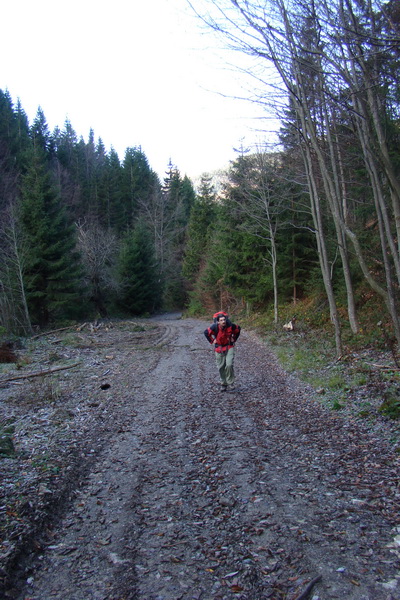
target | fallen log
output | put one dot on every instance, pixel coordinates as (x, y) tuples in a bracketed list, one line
[(39, 373), (38, 335)]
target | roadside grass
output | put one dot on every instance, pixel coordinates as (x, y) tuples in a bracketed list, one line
[(313, 364), (365, 380)]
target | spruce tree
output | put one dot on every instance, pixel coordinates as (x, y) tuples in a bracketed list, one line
[(67, 168), (177, 198), (14, 140), (139, 289), (236, 260), (202, 216), (113, 193), (8, 131), (40, 133), (137, 186), (50, 260)]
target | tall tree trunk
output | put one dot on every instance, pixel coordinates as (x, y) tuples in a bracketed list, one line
[(12, 262), (274, 260), (321, 245)]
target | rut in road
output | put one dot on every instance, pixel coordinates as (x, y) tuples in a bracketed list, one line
[(209, 495)]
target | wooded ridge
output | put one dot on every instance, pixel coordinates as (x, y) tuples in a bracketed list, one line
[(313, 224)]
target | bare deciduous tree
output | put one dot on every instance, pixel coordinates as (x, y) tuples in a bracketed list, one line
[(262, 203), (328, 56), (14, 312), (98, 248)]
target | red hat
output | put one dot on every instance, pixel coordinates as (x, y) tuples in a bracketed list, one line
[(220, 314)]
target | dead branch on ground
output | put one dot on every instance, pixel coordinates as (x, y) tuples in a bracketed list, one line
[(38, 374)]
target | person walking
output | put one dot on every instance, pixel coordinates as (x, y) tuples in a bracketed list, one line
[(223, 334)]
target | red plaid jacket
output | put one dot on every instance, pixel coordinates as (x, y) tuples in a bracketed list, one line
[(225, 338)]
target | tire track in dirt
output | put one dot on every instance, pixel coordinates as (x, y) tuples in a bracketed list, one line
[(211, 496)]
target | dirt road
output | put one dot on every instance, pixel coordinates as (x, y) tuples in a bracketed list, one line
[(196, 494)]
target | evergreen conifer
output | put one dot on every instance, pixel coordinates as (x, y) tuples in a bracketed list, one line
[(51, 269), (139, 289)]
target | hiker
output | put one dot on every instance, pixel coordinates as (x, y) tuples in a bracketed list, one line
[(223, 334)]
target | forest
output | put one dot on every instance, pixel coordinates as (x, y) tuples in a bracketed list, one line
[(315, 223)]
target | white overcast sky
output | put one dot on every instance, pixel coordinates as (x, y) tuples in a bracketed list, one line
[(138, 72)]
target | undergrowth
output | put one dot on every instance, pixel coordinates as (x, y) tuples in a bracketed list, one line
[(365, 380)]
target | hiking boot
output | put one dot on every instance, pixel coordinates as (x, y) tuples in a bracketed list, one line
[(231, 387), (223, 387)]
